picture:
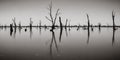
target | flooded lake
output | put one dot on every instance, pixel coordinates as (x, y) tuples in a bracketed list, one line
[(68, 44)]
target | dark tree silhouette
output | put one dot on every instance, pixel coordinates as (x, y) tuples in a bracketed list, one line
[(61, 29), (114, 29), (52, 19), (113, 18), (31, 22), (11, 29), (88, 28)]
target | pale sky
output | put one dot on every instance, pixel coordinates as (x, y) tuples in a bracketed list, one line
[(74, 10)]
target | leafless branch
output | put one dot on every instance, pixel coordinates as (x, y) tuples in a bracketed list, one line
[(56, 15), (48, 18)]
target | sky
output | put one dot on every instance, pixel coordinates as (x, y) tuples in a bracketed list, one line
[(99, 11)]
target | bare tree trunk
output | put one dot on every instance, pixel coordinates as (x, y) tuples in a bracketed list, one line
[(66, 23), (113, 18), (88, 29), (52, 19), (61, 29), (60, 22)]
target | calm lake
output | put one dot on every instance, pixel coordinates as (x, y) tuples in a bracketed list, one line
[(68, 44)]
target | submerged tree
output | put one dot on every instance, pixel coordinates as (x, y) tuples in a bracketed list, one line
[(52, 19)]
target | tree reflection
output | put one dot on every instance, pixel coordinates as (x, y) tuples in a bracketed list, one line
[(53, 41), (113, 37), (30, 32), (60, 34)]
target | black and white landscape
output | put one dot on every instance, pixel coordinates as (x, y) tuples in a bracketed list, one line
[(59, 29)]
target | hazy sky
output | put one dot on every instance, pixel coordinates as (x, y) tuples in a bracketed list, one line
[(74, 10)]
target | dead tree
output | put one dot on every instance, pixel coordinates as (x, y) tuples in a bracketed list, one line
[(66, 23), (51, 18), (114, 29), (88, 21), (113, 18), (88, 28), (14, 21), (61, 29), (31, 22)]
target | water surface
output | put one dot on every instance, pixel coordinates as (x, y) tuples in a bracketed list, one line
[(70, 43)]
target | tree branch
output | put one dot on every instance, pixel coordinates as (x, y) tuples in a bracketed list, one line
[(56, 15), (48, 18)]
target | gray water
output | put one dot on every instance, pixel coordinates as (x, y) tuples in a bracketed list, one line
[(42, 44)]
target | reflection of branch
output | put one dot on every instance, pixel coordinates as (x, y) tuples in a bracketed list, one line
[(113, 37), (15, 31), (40, 30), (88, 36), (60, 34), (66, 31), (51, 44), (30, 32)]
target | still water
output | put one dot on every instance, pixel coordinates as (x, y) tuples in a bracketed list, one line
[(68, 44)]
